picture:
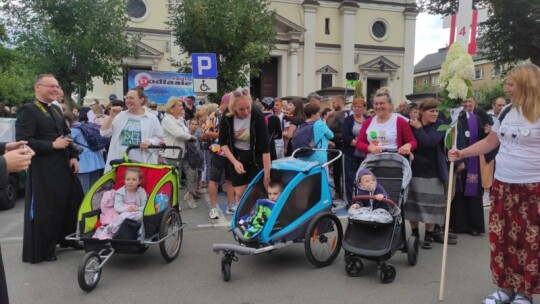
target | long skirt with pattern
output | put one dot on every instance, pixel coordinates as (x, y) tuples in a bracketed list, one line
[(514, 236)]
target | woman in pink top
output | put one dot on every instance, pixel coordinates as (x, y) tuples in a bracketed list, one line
[(386, 130)]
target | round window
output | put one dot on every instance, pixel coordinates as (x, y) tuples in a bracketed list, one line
[(136, 9), (379, 29)]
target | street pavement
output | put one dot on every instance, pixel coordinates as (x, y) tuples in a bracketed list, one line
[(284, 276)]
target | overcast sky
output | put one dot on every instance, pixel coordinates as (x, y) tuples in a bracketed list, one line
[(430, 36)]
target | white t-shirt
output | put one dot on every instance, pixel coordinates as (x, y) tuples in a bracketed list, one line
[(518, 160), (242, 133), (383, 135)]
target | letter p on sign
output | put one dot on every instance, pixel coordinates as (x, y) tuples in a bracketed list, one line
[(204, 65)]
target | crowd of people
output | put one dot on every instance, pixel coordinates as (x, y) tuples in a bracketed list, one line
[(227, 145)]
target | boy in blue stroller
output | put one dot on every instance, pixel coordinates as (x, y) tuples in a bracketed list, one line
[(251, 224)]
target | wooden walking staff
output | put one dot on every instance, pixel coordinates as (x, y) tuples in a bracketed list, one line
[(453, 135)]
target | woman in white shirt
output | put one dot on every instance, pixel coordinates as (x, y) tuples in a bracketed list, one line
[(132, 127), (514, 220), (176, 133)]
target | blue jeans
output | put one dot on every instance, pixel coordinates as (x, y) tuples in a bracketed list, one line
[(351, 167)]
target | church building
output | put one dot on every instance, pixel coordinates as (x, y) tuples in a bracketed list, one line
[(318, 42)]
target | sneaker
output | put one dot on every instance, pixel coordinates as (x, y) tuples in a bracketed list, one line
[(231, 209), (190, 201), (486, 201), (214, 213)]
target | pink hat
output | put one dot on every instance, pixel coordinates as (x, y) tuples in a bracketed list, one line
[(226, 98)]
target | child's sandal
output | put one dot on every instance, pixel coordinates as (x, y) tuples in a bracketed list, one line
[(521, 299), (498, 297)]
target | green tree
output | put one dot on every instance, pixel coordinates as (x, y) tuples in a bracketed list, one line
[(239, 32), (15, 78), (487, 94), (73, 39), (510, 33)]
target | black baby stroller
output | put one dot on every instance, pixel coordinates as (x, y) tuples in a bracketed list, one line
[(376, 241)]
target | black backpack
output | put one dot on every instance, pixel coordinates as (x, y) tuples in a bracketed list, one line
[(194, 156), (303, 138)]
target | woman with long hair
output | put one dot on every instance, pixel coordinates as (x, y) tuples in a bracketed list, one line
[(245, 142), (296, 117), (514, 219)]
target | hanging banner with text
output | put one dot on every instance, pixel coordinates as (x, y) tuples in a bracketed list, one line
[(160, 86)]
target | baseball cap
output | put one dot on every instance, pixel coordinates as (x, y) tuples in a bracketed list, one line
[(113, 97)]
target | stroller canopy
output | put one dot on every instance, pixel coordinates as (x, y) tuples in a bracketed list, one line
[(293, 164)]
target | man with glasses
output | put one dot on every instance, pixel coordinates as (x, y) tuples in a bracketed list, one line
[(53, 191)]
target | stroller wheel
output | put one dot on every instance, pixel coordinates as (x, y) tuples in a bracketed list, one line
[(225, 269), (412, 250), (323, 239), (170, 247), (388, 273), (89, 271), (354, 266)]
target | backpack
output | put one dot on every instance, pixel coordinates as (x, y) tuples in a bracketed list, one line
[(335, 124), (503, 113), (91, 133), (193, 150), (303, 138)]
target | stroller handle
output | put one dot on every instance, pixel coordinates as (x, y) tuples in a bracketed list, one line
[(372, 197), (161, 146), (326, 164)]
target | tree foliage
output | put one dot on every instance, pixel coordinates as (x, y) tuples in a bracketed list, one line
[(15, 78), (487, 94), (511, 31), (239, 32), (73, 39)]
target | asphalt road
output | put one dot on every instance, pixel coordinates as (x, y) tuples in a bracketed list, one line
[(284, 276)]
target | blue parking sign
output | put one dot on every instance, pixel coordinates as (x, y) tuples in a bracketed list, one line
[(204, 65)]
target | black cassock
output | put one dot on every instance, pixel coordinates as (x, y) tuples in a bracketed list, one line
[(53, 192), (467, 212), (3, 182)]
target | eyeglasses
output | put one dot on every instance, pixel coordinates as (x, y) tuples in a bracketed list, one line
[(50, 86)]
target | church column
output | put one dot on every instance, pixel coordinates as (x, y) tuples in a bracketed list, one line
[(410, 14), (294, 44), (348, 36), (293, 89), (310, 23)]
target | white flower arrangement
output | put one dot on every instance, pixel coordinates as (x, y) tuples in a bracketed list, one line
[(455, 82), (456, 74)]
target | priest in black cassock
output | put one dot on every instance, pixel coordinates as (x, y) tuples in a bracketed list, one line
[(53, 191), (467, 211)]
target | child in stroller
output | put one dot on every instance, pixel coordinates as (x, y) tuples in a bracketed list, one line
[(129, 202), (369, 210), (251, 224)]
